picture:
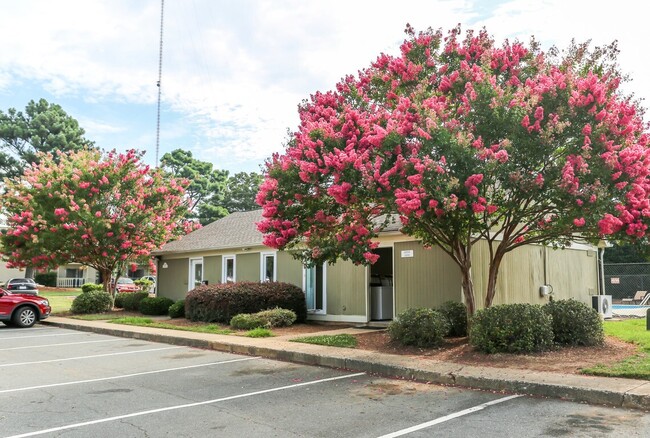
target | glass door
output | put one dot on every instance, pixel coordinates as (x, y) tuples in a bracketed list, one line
[(196, 273), (314, 279)]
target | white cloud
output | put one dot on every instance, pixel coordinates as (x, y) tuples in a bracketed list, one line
[(236, 70)]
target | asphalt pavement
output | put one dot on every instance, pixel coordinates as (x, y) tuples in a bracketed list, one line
[(616, 392)]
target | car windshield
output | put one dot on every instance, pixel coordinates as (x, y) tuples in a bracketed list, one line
[(124, 281)]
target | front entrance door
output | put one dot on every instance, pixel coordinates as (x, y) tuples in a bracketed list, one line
[(315, 287), (196, 273)]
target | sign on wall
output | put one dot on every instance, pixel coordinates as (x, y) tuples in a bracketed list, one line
[(407, 253), (615, 280)]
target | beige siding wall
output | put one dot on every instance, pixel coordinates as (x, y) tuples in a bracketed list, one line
[(212, 269), (427, 279), (572, 273), (247, 267), (346, 289), (289, 270), (172, 280)]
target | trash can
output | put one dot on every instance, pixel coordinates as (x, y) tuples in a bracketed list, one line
[(381, 302)]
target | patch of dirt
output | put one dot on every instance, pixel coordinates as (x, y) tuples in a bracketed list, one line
[(565, 360)]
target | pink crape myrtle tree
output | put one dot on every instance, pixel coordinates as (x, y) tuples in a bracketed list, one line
[(98, 209), (464, 140)]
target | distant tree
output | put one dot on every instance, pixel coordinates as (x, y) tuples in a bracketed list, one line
[(43, 127), (207, 185), (100, 210), (636, 252), (241, 190), (466, 141)]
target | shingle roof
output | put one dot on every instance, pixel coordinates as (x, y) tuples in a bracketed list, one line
[(235, 230)]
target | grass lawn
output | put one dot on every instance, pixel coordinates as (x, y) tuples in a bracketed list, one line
[(60, 299), (637, 367), (346, 341), (148, 322)]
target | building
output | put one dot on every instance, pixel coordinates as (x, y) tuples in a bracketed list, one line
[(406, 274)]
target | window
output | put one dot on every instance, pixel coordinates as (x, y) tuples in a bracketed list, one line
[(229, 270), (267, 269), (315, 288), (196, 273), (73, 273)]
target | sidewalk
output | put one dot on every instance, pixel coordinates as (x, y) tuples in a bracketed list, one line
[(617, 392)]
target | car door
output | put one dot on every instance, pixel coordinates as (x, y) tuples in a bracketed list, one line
[(6, 305)]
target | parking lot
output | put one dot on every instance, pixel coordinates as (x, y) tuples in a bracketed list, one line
[(58, 382)]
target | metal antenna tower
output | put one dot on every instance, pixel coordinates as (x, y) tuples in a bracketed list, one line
[(160, 54)]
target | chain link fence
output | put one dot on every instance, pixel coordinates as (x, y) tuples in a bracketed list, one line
[(628, 284)]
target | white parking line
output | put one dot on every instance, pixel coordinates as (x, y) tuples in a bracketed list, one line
[(26, 347), (448, 417), (86, 357), (188, 405), (9, 338), (101, 379)]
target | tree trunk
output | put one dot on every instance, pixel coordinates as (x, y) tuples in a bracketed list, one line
[(29, 272), (491, 290), (106, 281)]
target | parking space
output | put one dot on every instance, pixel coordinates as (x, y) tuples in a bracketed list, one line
[(57, 382)]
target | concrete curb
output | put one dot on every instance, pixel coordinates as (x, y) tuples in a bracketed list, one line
[(617, 392)]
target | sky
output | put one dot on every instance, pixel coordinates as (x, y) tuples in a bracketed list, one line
[(234, 72)]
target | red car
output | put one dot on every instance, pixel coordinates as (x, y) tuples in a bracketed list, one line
[(125, 284), (22, 310)]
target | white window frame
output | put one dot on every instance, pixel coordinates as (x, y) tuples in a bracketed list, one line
[(190, 276), (224, 261), (263, 256), (322, 311)]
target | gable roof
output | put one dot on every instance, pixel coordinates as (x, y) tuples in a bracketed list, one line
[(237, 230)]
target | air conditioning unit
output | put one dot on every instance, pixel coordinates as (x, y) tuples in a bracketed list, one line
[(602, 304)]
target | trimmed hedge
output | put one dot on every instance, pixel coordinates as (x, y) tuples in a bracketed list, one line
[(512, 328), (419, 326), (177, 310), (220, 302), (46, 279), (456, 314), (93, 301), (87, 287), (131, 300), (119, 299), (155, 305), (575, 323), (266, 318)]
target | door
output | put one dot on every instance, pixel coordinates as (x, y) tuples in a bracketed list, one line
[(315, 288), (196, 273)]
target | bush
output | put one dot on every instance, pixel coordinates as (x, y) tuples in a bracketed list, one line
[(277, 317), (512, 328), (177, 310), (88, 287), (46, 279), (155, 305), (220, 302), (119, 300), (267, 318), (93, 301), (247, 321), (143, 284), (131, 300), (456, 314), (575, 323), (419, 326)]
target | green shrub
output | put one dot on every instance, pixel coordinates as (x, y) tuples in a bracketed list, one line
[(247, 321), (512, 328), (456, 314), (119, 299), (419, 326), (220, 302), (277, 317), (46, 279), (177, 310), (259, 332), (143, 284), (91, 287), (155, 305), (131, 300), (93, 301), (575, 323)]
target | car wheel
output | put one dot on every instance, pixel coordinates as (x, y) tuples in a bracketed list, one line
[(25, 317)]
